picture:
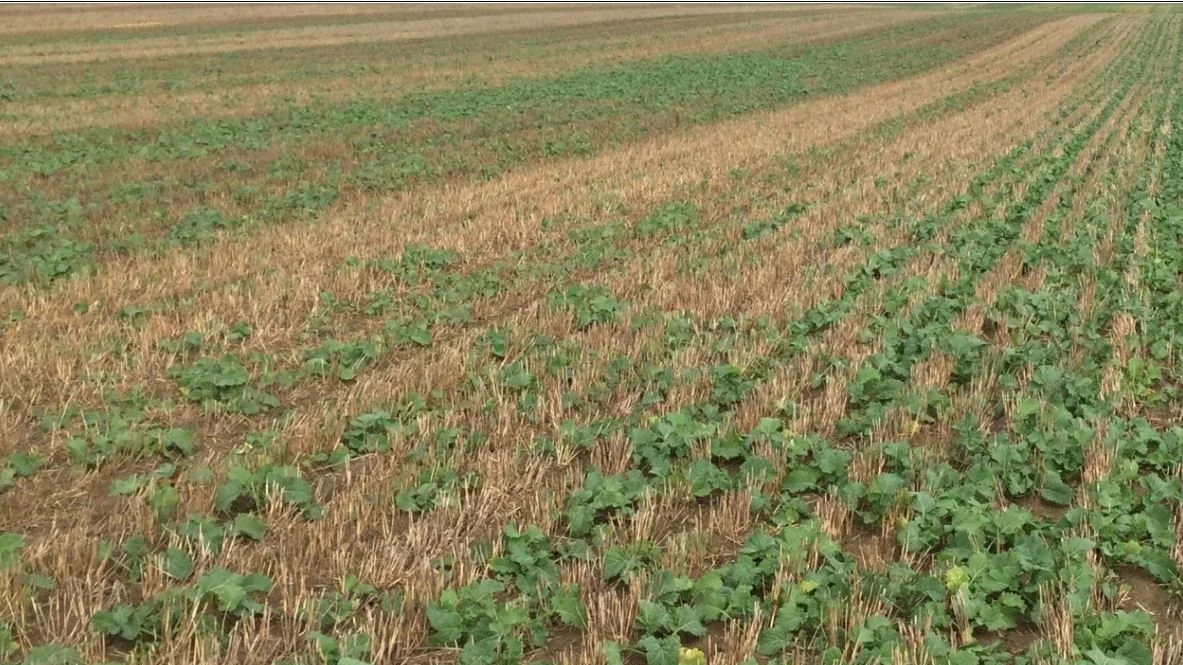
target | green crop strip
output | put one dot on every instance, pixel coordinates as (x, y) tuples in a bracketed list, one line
[(907, 341), (1124, 526), (973, 577), (707, 88), (1063, 403), (968, 585), (208, 73), (656, 95), (1036, 344)]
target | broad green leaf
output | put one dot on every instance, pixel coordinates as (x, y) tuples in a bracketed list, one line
[(1159, 564), (801, 479), (494, 649), (10, 546), (178, 564), (612, 653), (1055, 490), (256, 583), (52, 654), (199, 475), (1098, 657), (653, 617), (228, 492), (326, 645), (230, 596), (568, 608), (25, 464), (39, 582), (660, 651), (446, 624), (165, 500), (251, 526), (686, 620), (180, 440)]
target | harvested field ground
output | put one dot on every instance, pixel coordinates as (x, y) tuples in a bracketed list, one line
[(566, 334)]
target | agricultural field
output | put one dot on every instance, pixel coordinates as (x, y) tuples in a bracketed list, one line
[(613, 335)]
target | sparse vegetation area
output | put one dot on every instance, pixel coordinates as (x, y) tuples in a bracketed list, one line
[(675, 335)]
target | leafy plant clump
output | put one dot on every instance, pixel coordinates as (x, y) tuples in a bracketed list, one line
[(221, 382), (247, 490)]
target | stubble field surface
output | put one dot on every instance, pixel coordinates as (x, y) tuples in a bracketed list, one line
[(566, 334)]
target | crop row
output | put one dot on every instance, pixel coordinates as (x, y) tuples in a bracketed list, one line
[(80, 196), (605, 558)]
